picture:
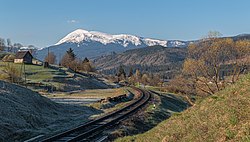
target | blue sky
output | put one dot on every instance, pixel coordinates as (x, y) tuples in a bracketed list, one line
[(44, 22)]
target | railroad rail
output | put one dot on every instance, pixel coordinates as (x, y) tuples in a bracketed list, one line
[(94, 127)]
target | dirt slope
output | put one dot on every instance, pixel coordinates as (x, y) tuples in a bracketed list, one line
[(24, 114)]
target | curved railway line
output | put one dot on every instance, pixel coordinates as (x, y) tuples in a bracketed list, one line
[(91, 129)]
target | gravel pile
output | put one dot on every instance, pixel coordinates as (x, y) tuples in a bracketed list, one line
[(25, 114)]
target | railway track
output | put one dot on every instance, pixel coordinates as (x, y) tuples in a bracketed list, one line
[(91, 129)]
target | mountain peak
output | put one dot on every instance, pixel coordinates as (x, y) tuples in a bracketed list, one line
[(76, 36), (79, 31)]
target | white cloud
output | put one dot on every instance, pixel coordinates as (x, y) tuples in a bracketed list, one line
[(73, 21)]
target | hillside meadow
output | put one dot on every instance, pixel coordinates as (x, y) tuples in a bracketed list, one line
[(220, 117)]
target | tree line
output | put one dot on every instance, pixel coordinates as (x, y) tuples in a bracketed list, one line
[(136, 77), (71, 61), (7, 45), (167, 71)]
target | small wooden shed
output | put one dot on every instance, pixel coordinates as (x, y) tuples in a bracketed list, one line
[(23, 57)]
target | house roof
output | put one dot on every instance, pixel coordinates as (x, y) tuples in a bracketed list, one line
[(21, 54)]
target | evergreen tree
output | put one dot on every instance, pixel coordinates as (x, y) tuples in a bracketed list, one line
[(68, 59), (121, 73), (86, 65), (71, 54), (86, 60), (130, 72)]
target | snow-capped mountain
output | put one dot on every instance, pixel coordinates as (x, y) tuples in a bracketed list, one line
[(93, 44), (80, 36)]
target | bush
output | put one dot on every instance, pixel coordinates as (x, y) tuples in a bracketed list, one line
[(181, 85), (11, 73)]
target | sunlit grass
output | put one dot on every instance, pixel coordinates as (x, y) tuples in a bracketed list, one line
[(33, 72), (222, 117)]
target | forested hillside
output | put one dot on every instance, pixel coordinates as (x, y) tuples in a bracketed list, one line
[(154, 59)]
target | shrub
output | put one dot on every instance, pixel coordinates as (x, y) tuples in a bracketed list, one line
[(11, 73)]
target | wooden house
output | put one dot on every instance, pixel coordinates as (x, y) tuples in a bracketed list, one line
[(23, 57)]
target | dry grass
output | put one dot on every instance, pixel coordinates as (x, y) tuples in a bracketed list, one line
[(94, 93), (221, 117), (157, 110), (108, 107), (97, 94)]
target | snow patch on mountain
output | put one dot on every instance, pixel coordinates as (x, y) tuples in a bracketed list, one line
[(152, 42)]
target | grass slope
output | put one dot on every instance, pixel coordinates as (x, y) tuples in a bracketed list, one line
[(224, 116), (160, 107), (61, 80)]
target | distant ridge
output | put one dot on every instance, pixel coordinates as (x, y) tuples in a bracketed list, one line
[(93, 44), (153, 59)]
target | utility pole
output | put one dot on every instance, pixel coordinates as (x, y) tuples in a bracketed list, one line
[(21, 73), (24, 75), (60, 58)]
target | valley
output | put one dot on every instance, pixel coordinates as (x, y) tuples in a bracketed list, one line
[(124, 71), (56, 99)]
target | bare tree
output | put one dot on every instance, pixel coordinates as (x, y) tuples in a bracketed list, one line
[(86, 65), (2, 44), (240, 58), (210, 58), (50, 58), (138, 75), (9, 45), (130, 72), (145, 79), (183, 85), (65, 61), (17, 46)]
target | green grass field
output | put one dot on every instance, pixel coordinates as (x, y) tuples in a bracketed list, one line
[(55, 78), (39, 74), (34, 72), (221, 117)]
